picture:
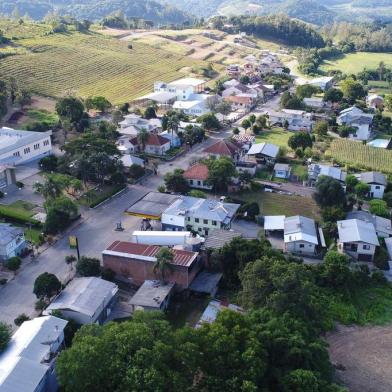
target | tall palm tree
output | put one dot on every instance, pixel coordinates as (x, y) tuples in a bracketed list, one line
[(163, 265), (142, 138), (172, 124)]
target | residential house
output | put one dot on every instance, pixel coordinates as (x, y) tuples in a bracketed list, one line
[(377, 182), (382, 225), (323, 83), (357, 239), (133, 124), (155, 144), (197, 176), (28, 362), (135, 263), (282, 170), (224, 148), (231, 83), (12, 241), (7, 177), (19, 147), (358, 119), (301, 235), (270, 64), (296, 120), (375, 101), (213, 309), (127, 145), (130, 160), (243, 102), (316, 103), (201, 215), (263, 153), (173, 137), (233, 70), (237, 90), (85, 300), (315, 170), (152, 295), (195, 104)]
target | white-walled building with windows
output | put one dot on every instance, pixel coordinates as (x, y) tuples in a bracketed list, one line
[(17, 147)]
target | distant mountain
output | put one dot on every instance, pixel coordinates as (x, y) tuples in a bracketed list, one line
[(96, 9)]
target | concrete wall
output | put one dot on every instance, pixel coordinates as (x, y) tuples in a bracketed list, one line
[(377, 191), (345, 248), (199, 184), (301, 247)]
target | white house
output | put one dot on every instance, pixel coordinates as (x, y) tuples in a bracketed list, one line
[(297, 120), (375, 101), (194, 105), (133, 124), (355, 117), (197, 176), (316, 169), (85, 300), (12, 241), (17, 147), (301, 235), (155, 144), (282, 170), (27, 363), (316, 103), (357, 238), (382, 225), (263, 153), (377, 182), (182, 88), (324, 82)]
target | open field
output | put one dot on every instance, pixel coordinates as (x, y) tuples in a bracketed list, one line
[(277, 204), (353, 63), (91, 64), (355, 153), (365, 354), (278, 136)]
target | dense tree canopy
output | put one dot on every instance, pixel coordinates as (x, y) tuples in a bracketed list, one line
[(176, 182), (46, 285), (329, 192), (300, 140), (220, 172), (5, 335)]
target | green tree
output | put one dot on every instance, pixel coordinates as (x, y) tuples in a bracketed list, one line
[(46, 285), (388, 198), (362, 189), (60, 213), (333, 95), (300, 140), (142, 138), (23, 98), (197, 193), (173, 122), (150, 113), (5, 335), (13, 263), (176, 182), (97, 102), (220, 172), (209, 122), (88, 266), (351, 182), (306, 91), (163, 264), (388, 102), (21, 319), (321, 128), (352, 90), (70, 108), (379, 208), (246, 123), (336, 271), (50, 189), (329, 192)]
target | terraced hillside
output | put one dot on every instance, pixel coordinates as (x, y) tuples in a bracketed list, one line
[(90, 64)]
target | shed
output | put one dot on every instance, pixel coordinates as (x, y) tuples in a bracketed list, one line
[(274, 222)]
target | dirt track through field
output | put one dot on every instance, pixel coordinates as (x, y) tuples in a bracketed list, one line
[(364, 355)]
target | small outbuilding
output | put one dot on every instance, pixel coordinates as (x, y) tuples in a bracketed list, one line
[(282, 170)]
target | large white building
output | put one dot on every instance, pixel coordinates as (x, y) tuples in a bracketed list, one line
[(27, 363), (17, 147)]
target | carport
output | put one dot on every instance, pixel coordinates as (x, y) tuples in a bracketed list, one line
[(274, 229)]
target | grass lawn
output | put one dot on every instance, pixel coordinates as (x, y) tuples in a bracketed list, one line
[(277, 204), (353, 63), (278, 136), (379, 87), (93, 197)]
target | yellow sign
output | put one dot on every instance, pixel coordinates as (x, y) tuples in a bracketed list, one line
[(73, 242)]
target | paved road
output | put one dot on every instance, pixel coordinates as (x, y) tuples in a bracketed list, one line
[(94, 234)]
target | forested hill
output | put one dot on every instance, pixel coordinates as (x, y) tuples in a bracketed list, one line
[(95, 9)]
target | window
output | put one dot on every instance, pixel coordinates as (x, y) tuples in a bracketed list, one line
[(189, 219), (16, 154), (46, 142), (199, 183), (26, 150), (199, 229), (205, 221), (301, 245), (36, 146), (366, 247), (377, 186), (197, 220), (214, 223), (191, 182)]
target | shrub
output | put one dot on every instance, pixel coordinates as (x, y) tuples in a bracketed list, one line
[(106, 195), (21, 319), (3, 281), (13, 263), (19, 184), (40, 305), (108, 274), (381, 258), (161, 189)]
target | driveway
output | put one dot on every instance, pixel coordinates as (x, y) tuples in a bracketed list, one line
[(94, 233)]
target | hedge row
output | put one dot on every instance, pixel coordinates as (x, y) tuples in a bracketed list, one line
[(12, 214)]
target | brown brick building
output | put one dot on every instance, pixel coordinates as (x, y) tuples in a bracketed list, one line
[(135, 262)]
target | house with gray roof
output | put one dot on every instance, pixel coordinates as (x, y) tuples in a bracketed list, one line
[(358, 239), (17, 147), (382, 225), (12, 241), (301, 235), (202, 215), (358, 119), (315, 170), (377, 182), (263, 153), (28, 361), (85, 300)]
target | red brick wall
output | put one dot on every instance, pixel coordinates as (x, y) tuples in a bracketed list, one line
[(137, 271)]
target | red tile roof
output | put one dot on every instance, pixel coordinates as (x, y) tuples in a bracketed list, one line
[(153, 140), (181, 257), (223, 147), (238, 99), (199, 171)]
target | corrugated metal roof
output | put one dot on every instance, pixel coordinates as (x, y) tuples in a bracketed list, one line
[(355, 230)]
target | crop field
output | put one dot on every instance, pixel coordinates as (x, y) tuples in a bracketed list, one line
[(355, 153), (91, 64), (355, 62)]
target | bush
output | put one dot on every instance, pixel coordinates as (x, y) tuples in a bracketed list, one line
[(21, 319), (40, 305), (106, 195), (161, 189), (197, 193), (49, 163), (108, 274), (19, 184), (17, 215), (381, 258), (13, 263), (136, 171)]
